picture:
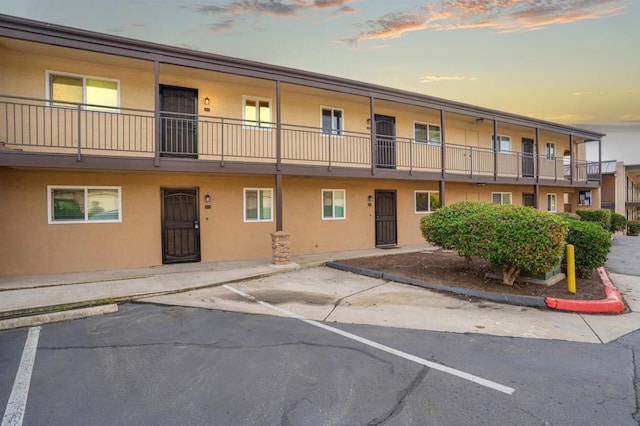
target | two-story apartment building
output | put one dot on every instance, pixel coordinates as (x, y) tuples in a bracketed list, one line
[(620, 191), (118, 153)]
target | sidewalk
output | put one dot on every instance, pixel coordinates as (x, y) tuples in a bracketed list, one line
[(314, 293)]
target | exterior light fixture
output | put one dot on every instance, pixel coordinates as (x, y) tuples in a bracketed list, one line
[(207, 101), (207, 198), (370, 198), (368, 124)]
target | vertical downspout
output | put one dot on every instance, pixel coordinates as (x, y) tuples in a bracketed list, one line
[(372, 118), (156, 88)]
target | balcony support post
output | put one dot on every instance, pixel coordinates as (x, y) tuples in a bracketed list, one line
[(279, 227), (156, 89), (79, 133), (222, 142), (600, 161), (372, 120), (536, 194), (443, 154), (570, 159), (441, 191), (537, 148), (278, 127), (471, 162), (495, 149)]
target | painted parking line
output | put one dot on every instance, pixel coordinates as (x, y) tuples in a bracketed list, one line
[(458, 373), (17, 402)]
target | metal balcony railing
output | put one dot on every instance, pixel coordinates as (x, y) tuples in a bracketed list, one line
[(35, 125)]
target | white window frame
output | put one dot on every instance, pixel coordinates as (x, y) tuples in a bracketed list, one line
[(333, 204), (497, 143), (502, 194), (244, 205), (552, 206), (428, 141), (258, 126), (334, 132), (47, 85), (51, 220), (429, 206), (550, 146)]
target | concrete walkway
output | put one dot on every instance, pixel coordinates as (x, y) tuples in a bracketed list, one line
[(314, 292)]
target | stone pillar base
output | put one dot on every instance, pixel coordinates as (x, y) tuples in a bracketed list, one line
[(280, 252)]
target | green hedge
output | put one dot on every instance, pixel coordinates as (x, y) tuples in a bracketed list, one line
[(513, 238), (591, 245), (633, 227), (602, 216), (618, 222)]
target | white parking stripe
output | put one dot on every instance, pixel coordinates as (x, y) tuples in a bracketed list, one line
[(14, 413), (461, 374)]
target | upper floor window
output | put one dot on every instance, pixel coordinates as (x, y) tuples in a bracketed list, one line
[(332, 121), (501, 197), (550, 151), (426, 201), (423, 132), (100, 94), (79, 204), (333, 204), (257, 112), (502, 143)]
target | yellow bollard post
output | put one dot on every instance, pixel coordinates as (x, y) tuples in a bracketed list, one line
[(571, 269)]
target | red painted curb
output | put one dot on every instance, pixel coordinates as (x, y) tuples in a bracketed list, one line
[(612, 304)]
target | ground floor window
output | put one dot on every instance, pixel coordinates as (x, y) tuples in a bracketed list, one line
[(80, 204), (258, 204), (552, 205), (333, 204), (501, 197), (426, 201)]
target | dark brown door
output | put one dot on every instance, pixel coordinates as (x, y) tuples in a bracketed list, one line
[(180, 225), (386, 224), (527, 157), (385, 141), (179, 122)]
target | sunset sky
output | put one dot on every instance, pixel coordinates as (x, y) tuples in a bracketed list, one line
[(573, 61)]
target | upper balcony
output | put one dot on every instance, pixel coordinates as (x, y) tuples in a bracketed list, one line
[(33, 132)]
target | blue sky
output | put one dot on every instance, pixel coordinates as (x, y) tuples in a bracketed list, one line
[(572, 61)]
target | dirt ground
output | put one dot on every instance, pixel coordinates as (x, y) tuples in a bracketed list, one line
[(445, 267)]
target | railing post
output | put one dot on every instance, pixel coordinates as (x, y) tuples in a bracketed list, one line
[(537, 174), (443, 152), (329, 147), (410, 156), (278, 126), (471, 162), (519, 165), (79, 133), (495, 149), (372, 119), (156, 88), (222, 142)]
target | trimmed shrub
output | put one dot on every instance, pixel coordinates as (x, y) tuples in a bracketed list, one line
[(602, 216), (618, 222), (567, 215), (513, 238), (633, 227), (592, 245)]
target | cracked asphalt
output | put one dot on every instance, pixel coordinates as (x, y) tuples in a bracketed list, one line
[(151, 364)]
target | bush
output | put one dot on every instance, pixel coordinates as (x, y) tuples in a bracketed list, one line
[(592, 245), (513, 238), (633, 227), (618, 222), (567, 215), (602, 216)]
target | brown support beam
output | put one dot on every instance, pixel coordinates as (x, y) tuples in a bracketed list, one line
[(495, 149), (536, 194), (441, 192), (600, 162), (570, 158), (372, 121), (443, 151), (537, 154), (279, 227), (278, 126), (156, 89)]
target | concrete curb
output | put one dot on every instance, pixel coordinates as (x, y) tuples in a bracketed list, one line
[(531, 301), (612, 303), (33, 320)]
